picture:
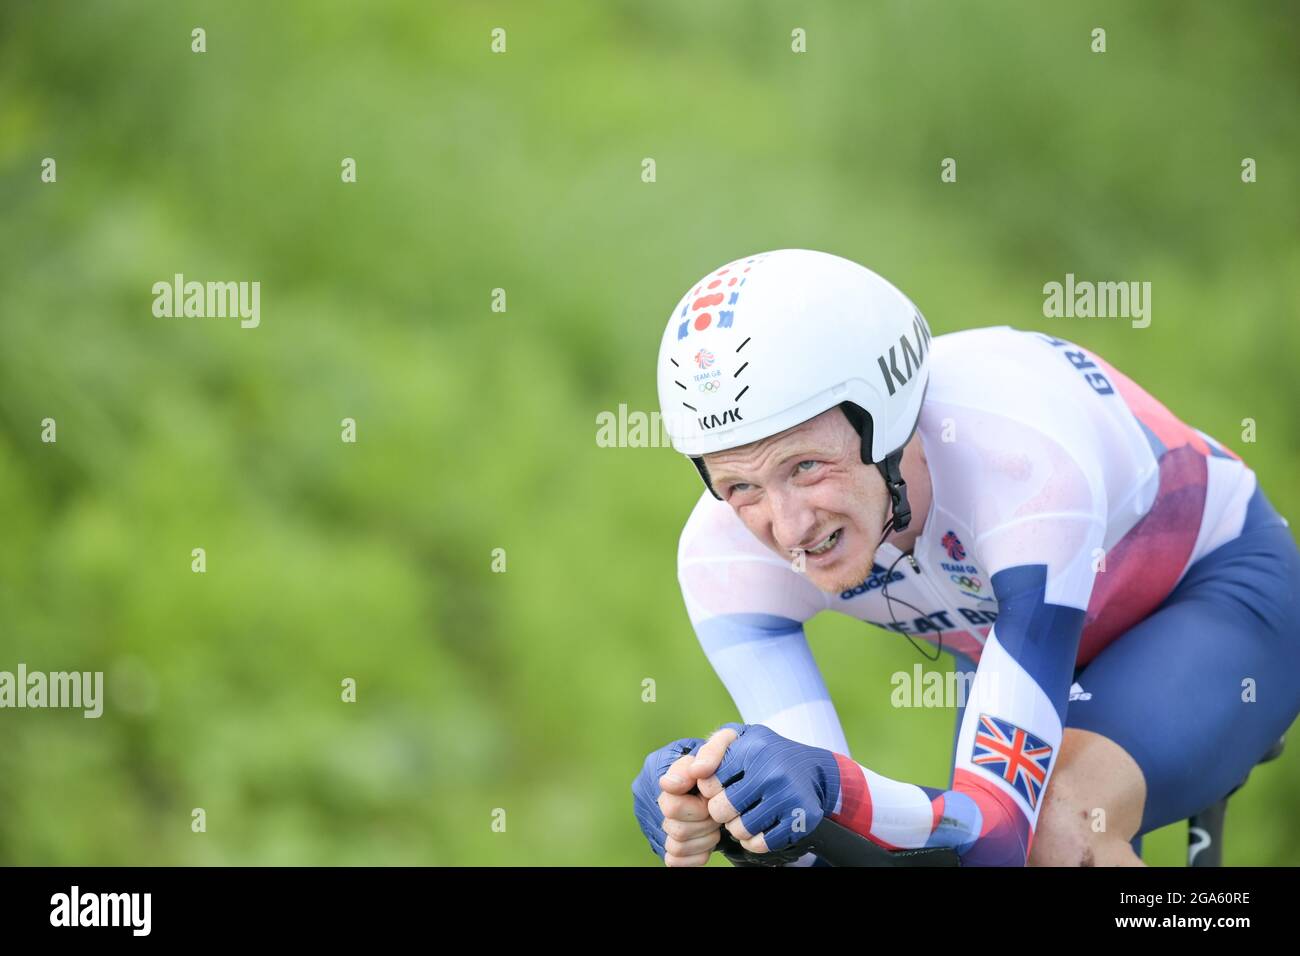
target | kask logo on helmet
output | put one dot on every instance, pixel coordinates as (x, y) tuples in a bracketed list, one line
[(713, 421), (910, 355)]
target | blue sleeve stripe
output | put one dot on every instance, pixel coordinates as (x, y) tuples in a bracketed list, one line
[(1043, 638), (728, 630)]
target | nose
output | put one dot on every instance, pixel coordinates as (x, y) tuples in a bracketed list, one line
[(793, 521)]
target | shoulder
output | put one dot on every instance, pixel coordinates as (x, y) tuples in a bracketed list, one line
[(1015, 453), (1004, 405), (1003, 364)]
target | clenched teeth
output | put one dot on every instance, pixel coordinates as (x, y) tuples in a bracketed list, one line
[(827, 544)]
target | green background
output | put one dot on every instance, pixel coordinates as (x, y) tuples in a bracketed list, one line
[(476, 429)]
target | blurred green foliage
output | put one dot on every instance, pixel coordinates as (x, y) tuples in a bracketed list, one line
[(477, 429)]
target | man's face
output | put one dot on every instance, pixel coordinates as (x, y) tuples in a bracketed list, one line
[(807, 490)]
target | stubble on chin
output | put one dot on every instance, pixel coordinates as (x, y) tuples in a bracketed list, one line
[(848, 577)]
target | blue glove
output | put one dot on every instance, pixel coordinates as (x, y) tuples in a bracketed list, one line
[(768, 778), (645, 789)]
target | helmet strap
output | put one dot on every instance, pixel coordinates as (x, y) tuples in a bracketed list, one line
[(891, 470)]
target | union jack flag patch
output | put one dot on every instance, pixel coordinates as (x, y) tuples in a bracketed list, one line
[(1014, 754)]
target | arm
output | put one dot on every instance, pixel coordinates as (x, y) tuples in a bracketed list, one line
[(1008, 743), (768, 668), (748, 606), (1037, 540)]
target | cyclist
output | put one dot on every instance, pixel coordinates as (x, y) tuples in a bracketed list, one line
[(1122, 588)]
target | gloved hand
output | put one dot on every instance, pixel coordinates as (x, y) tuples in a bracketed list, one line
[(646, 793), (769, 791)]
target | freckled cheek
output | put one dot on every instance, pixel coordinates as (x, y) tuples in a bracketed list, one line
[(756, 519), (835, 494)]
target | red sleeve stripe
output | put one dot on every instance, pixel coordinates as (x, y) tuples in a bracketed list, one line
[(855, 801)]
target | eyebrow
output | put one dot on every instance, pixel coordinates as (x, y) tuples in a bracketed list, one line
[(723, 477)]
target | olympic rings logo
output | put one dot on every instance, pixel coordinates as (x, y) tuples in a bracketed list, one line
[(967, 583), (712, 385)]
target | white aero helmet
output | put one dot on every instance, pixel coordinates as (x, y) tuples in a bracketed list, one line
[(769, 341)]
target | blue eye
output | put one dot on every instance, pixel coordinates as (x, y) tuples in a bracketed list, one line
[(738, 486), (812, 464)]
